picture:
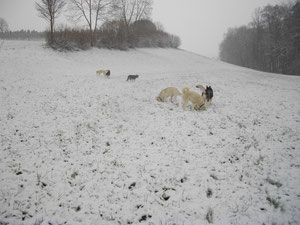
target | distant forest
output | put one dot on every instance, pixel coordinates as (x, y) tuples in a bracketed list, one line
[(22, 35), (270, 43)]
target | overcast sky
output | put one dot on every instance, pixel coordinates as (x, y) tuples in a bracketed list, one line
[(200, 24)]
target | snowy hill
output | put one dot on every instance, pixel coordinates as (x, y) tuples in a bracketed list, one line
[(80, 149)]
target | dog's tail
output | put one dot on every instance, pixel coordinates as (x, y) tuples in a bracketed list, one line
[(200, 87)]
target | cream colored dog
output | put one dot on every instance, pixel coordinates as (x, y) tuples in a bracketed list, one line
[(106, 73), (196, 99), (168, 92)]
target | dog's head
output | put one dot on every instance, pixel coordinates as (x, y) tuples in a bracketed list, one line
[(158, 98), (199, 107)]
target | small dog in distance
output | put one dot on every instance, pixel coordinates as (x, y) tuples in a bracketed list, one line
[(106, 73), (132, 77)]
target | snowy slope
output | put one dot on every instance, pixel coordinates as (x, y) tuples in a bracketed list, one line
[(80, 149)]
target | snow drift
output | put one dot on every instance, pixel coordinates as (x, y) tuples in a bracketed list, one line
[(77, 148)]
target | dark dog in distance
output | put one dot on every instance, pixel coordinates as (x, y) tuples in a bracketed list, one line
[(132, 77)]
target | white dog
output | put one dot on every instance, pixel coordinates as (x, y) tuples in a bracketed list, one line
[(106, 73), (168, 92), (196, 99)]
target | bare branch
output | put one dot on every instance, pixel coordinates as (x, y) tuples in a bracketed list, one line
[(90, 10), (50, 10)]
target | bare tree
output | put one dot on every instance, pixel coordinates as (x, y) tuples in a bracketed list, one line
[(91, 11), (130, 11), (50, 10), (3, 25), (143, 9)]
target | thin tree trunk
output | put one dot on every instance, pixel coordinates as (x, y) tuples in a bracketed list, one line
[(52, 31)]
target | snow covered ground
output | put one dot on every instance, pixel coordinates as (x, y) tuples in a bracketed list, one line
[(80, 149)]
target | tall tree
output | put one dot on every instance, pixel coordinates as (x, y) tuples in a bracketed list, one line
[(50, 11), (130, 11), (3, 25), (293, 27), (91, 11), (258, 35)]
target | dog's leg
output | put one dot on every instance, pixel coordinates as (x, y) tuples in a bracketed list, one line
[(193, 107), (175, 99), (184, 104)]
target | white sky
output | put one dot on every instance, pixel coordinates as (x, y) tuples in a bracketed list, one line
[(200, 24)]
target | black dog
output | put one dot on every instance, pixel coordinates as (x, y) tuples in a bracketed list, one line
[(209, 93), (132, 77)]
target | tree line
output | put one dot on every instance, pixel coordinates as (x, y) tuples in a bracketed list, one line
[(22, 35), (120, 24), (271, 42)]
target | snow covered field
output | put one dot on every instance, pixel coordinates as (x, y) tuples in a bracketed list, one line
[(80, 149)]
